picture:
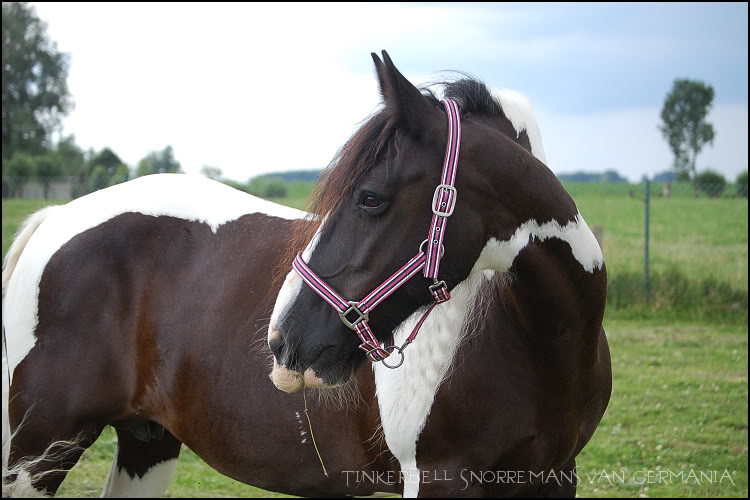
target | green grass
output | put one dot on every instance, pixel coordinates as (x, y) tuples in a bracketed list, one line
[(700, 237), (14, 212), (194, 478), (679, 403)]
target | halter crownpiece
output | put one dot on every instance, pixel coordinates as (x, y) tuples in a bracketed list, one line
[(355, 315)]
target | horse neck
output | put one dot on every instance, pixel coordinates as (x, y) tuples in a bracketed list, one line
[(558, 281), (405, 395)]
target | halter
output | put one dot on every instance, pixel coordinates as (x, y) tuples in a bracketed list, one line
[(355, 315)]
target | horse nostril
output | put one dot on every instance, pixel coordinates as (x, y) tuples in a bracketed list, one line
[(277, 347)]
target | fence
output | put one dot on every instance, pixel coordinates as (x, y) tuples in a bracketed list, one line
[(674, 247)]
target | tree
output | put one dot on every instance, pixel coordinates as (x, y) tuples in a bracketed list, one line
[(19, 169), (712, 183), (70, 156), (683, 123), (107, 159), (158, 162), (35, 88), (47, 167), (214, 173)]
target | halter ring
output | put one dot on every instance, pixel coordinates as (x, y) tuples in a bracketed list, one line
[(390, 349), (442, 248)]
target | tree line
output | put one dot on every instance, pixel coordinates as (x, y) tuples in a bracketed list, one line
[(35, 100)]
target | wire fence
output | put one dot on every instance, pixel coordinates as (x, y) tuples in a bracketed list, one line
[(677, 246)]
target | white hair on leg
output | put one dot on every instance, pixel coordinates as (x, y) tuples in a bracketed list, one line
[(18, 480), (152, 484)]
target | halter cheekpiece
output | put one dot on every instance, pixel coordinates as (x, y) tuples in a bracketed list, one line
[(356, 315)]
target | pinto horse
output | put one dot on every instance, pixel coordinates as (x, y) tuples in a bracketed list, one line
[(181, 270), (512, 371)]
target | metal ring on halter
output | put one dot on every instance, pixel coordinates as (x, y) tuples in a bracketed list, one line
[(390, 349), (442, 248)]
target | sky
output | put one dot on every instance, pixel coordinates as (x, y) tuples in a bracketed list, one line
[(258, 88)]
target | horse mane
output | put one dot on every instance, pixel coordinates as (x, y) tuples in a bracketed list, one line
[(378, 138)]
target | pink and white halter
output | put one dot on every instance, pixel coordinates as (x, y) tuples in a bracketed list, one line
[(443, 203)]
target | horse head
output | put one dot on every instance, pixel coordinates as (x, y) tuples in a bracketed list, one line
[(380, 200)]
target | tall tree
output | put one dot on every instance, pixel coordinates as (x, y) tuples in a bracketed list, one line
[(214, 173), (35, 88), (684, 124), (18, 169), (158, 162)]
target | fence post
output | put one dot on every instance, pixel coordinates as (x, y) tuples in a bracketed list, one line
[(647, 199)]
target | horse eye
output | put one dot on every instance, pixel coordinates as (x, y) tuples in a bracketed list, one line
[(369, 200)]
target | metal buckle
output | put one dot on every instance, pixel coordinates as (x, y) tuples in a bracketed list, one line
[(353, 308), (442, 213), (436, 285)]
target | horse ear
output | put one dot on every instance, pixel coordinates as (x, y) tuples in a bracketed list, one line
[(403, 101)]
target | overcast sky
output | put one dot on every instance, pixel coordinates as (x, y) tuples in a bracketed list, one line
[(253, 88)]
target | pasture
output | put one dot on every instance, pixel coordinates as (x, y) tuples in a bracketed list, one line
[(677, 422)]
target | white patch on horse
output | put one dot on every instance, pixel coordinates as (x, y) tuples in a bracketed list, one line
[(518, 110), (22, 488), (188, 197), (405, 395), (6, 416), (290, 289), (153, 484), (499, 255)]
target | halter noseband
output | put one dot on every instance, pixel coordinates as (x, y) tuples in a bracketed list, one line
[(355, 315)]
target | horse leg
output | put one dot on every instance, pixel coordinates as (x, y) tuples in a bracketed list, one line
[(143, 466), (42, 450)]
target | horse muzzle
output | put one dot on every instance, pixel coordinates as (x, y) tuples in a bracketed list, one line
[(291, 381)]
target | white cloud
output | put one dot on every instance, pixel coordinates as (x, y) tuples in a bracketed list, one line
[(247, 88)]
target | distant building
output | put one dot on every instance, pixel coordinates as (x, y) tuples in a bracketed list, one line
[(57, 190)]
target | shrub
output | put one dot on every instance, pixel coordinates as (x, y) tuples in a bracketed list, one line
[(275, 189), (742, 184), (711, 183)]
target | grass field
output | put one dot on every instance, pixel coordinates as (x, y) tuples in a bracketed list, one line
[(679, 405)]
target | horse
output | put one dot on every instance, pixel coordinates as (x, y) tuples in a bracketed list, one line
[(183, 272), (144, 306), (512, 372)]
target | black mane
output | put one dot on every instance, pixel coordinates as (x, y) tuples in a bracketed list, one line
[(472, 95)]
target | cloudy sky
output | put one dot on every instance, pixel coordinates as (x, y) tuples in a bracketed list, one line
[(254, 88)]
